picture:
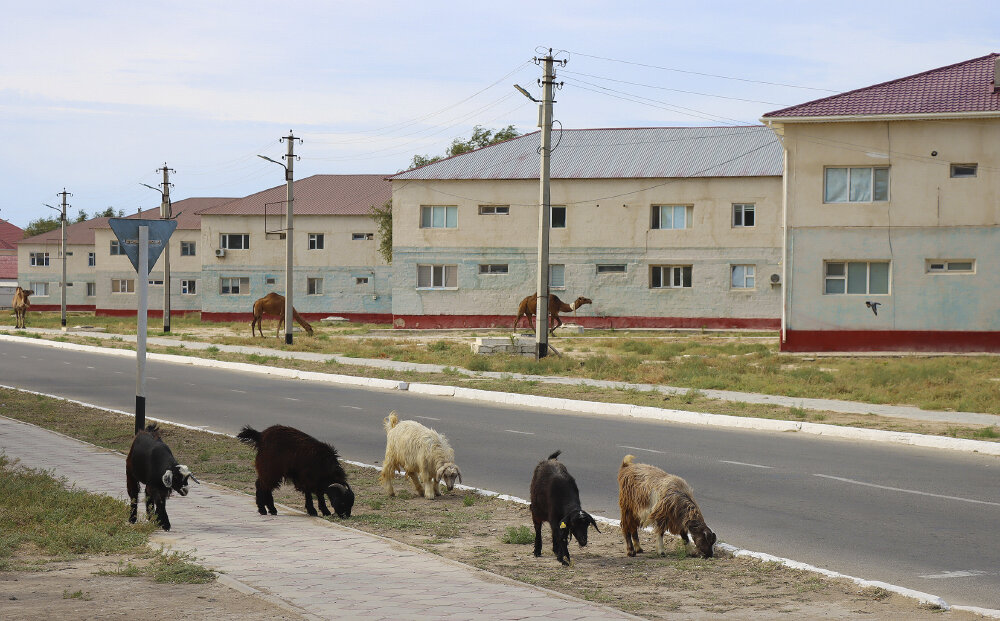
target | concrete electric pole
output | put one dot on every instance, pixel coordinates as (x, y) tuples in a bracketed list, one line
[(165, 214), (62, 220), (289, 228)]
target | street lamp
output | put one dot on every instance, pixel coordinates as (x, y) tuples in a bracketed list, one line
[(62, 219), (165, 214), (289, 229)]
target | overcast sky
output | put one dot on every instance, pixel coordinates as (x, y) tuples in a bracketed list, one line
[(95, 96)]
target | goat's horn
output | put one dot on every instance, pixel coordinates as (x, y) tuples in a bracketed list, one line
[(594, 522)]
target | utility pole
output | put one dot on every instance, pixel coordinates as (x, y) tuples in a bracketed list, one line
[(62, 220), (165, 214), (547, 82), (289, 228)]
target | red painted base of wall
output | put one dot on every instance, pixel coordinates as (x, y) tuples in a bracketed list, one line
[(58, 307), (124, 312), (311, 317), (891, 340), (617, 323)]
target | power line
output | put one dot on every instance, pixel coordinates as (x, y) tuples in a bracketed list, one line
[(677, 90)]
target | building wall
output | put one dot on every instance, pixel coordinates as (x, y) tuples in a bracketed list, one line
[(599, 230), (78, 273), (929, 215)]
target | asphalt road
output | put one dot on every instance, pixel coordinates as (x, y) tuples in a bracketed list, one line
[(920, 518)]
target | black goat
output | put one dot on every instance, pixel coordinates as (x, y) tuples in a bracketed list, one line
[(556, 499), (284, 453), (151, 463)]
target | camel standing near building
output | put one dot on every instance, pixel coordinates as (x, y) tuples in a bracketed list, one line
[(274, 304), (21, 305), (527, 308)]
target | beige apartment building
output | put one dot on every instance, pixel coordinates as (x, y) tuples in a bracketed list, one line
[(892, 214)]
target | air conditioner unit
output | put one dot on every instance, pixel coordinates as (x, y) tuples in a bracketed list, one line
[(220, 252), (775, 279)]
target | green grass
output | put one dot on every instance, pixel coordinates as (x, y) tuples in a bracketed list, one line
[(518, 535)]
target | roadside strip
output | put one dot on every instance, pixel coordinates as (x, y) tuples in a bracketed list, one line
[(922, 597), (554, 403)]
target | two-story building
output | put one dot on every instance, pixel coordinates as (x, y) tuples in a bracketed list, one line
[(39, 263), (892, 214), (660, 227), (10, 236)]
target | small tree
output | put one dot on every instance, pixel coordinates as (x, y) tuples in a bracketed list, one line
[(41, 225), (481, 137), (383, 222), (82, 216)]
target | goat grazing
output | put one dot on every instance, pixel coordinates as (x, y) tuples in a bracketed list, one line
[(422, 453), (650, 496), (287, 454), (556, 499), (151, 463)]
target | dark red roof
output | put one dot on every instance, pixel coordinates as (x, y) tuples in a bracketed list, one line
[(187, 212), (339, 195), (963, 87), (10, 234), (8, 267), (76, 233)]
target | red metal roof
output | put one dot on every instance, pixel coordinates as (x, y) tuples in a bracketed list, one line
[(186, 211), (10, 234), (8, 267), (76, 233), (341, 195), (967, 86)]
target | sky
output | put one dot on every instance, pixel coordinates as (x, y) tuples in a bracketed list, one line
[(94, 97)]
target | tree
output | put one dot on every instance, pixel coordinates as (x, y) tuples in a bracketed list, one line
[(41, 225), (82, 216), (383, 222), (481, 137), (110, 213)]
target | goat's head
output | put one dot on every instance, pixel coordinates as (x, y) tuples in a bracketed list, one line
[(447, 474), (703, 537), (342, 498), (576, 523), (177, 478)]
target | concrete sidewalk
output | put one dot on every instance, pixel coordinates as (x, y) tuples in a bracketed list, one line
[(833, 405), (321, 569)]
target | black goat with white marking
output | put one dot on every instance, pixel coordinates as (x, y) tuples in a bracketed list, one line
[(555, 499), (151, 463)]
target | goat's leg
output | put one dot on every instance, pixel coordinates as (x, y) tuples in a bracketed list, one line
[(386, 477), (310, 509), (626, 525), (418, 487), (559, 546), (161, 513), (261, 498), (270, 502), (322, 504), (133, 493), (149, 505), (659, 541), (538, 538), (429, 484)]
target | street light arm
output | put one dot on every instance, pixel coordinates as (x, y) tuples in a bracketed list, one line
[(152, 188), (264, 157), (526, 93)]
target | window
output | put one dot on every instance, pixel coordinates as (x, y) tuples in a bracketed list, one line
[(670, 277), (91, 289), (618, 268), (856, 185), (499, 268), (189, 287), (857, 277), (269, 280), (743, 215), (187, 248), (117, 248), (122, 285), (361, 280), (743, 276), (672, 216), (557, 276), (494, 210), (40, 288), (234, 241), (316, 241), (951, 266), (156, 283), (234, 285), (362, 236), (439, 217), (557, 217), (314, 286), (91, 259), (39, 259), (959, 171), (437, 276)]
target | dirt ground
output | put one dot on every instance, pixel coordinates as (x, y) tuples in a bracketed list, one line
[(73, 590)]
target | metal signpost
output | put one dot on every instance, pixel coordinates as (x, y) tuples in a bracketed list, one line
[(142, 241)]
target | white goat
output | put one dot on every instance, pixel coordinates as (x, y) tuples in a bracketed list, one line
[(422, 453)]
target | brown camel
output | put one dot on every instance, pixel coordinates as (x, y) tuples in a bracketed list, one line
[(527, 308), (274, 304), (21, 305)]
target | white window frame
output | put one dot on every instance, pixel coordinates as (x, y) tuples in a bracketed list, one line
[(742, 276), (91, 259), (557, 276), (437, 276), (189, 249), (957, 174), (189, 287), (612, 268), (317, 241), (494, 210), (226, 238), (857, 171), (552, 219), (740, 213), (41, 289), (38, 259), (122, 285), (116, 248), (494, 269), (439, 216), (234, 285), (362, 236), (659, 214), (314, 285), (849, 280), (671, 276), (950, 266), (91, 289)]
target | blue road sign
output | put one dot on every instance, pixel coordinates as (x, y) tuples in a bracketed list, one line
[(127, 231)]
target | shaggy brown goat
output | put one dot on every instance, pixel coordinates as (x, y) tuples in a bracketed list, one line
[(650, 496), (284, 453)]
